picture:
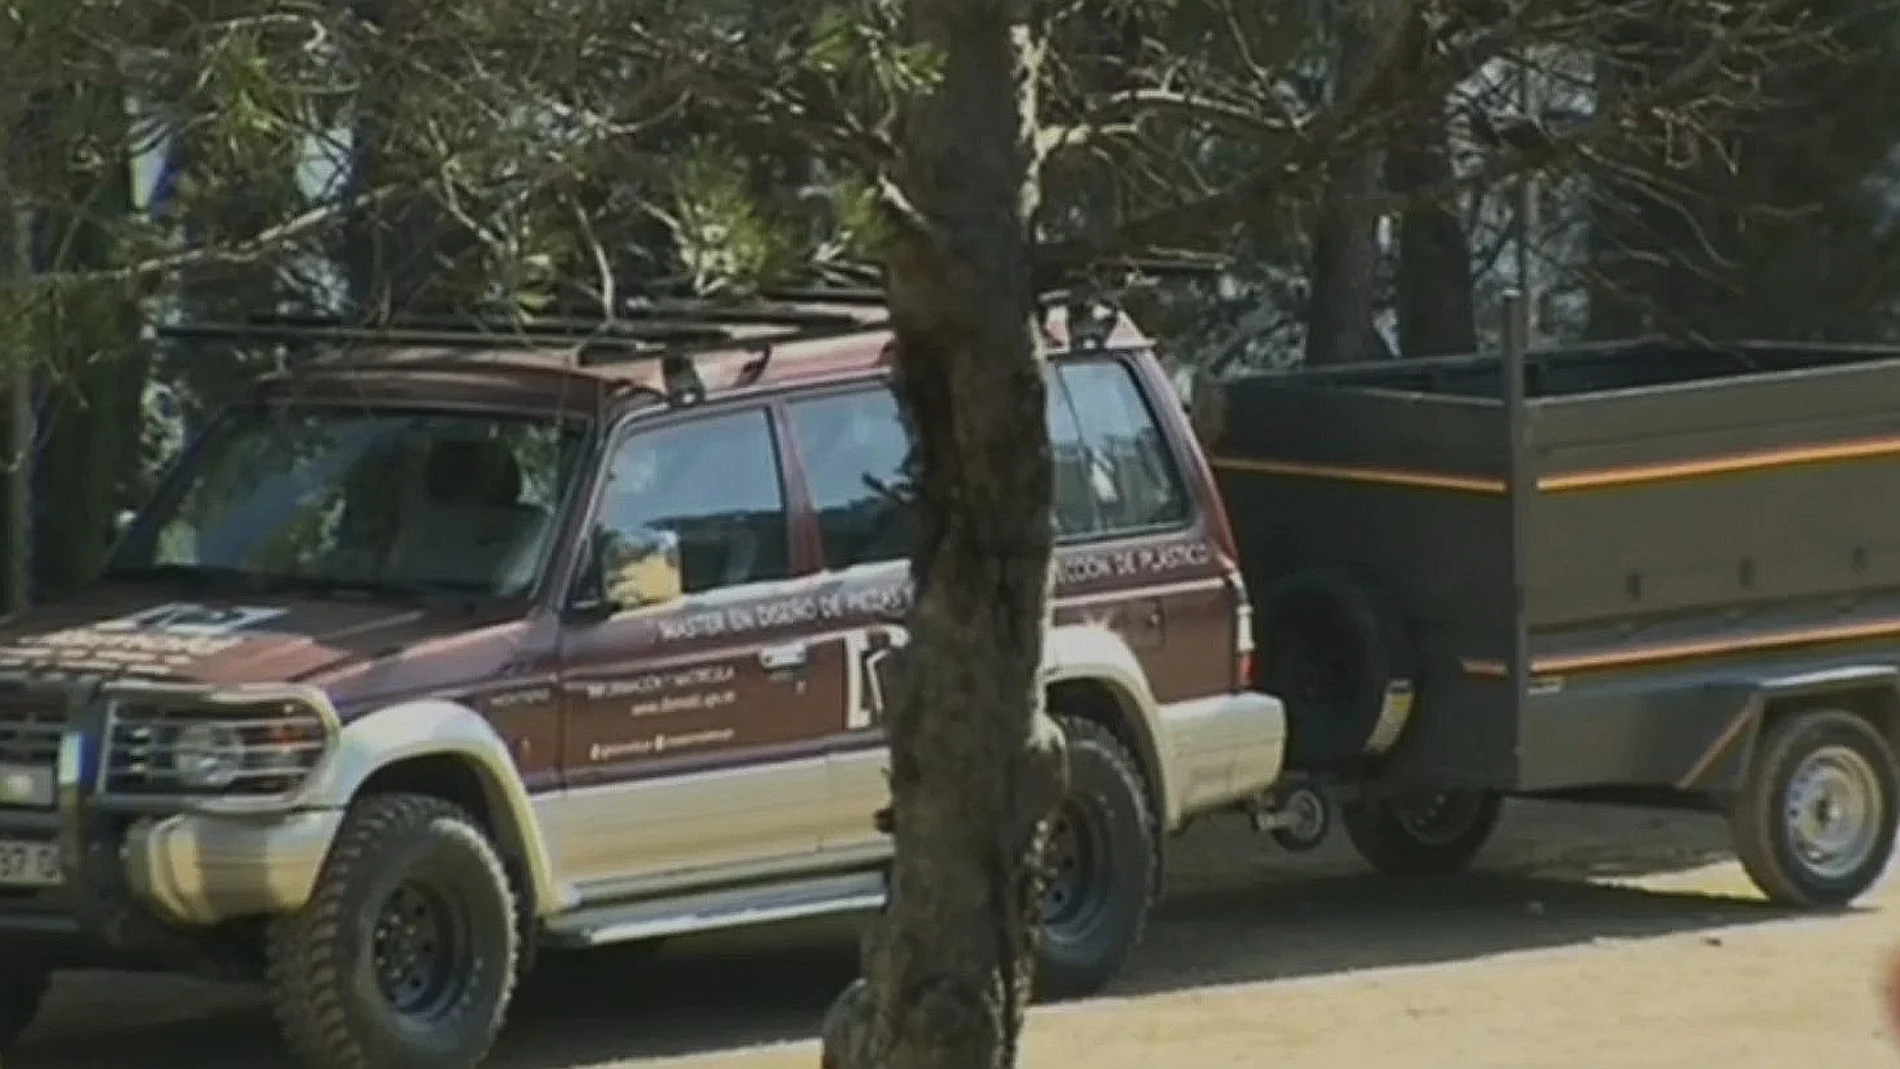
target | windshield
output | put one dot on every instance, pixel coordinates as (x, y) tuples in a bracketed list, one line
[(377, 499)]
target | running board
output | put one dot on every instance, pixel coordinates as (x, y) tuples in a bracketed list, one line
[(707, 911)]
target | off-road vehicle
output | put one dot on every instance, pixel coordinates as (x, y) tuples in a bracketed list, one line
[(457, 642)]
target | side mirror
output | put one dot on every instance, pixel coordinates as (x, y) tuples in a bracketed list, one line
[(588, 599), (627, 570)]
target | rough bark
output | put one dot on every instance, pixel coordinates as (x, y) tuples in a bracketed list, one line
[(975, 763), (1345, 273), (1434, 284), (92, 364), (89, 437)]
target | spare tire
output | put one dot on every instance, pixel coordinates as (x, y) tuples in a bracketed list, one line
[(1338, 655)]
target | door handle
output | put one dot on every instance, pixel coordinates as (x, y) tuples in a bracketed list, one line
[(787, 658)]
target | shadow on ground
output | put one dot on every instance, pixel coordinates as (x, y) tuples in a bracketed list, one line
[(1228, 919)]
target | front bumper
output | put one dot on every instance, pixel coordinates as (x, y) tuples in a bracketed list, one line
[(200, 870), (140, 884)]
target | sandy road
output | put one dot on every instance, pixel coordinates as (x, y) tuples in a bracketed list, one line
[(1592, 938)]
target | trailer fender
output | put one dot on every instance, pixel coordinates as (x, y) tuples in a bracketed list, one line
[(1869, 690), (1336, 650)]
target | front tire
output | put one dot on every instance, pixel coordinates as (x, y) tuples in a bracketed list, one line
[(1814, 826), (406, 955), (1429, 834), (1102, 860), (23, 991)]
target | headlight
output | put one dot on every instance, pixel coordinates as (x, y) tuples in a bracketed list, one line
[(208, 757), (193, 747)]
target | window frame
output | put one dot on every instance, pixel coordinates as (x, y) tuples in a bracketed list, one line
[(643, 421)]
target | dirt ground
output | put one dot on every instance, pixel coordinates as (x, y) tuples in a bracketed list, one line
[(1590, 938)]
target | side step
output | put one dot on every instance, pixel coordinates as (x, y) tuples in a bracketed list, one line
[(652, 918)]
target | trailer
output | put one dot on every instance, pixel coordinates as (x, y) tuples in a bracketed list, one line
[(1648, 572)]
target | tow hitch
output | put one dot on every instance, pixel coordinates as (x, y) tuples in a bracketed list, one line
[(1297, 816)]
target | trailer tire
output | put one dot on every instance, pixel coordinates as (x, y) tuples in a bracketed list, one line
[(1333, 651), (1422, 835), (1103, 858), (23, 989), (1822, 782)]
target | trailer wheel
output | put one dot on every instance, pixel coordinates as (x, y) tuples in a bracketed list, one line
[(1425, 834), (1814, 825), (1333, 651)]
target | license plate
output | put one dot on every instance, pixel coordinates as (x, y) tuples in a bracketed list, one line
[(26, 785), (29, 864)]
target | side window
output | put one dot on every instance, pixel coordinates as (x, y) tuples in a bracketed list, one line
[(692, 507), (1078, 508), (850, 444), (1125, 470)]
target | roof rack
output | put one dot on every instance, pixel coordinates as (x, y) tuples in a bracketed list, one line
[(668, 331)]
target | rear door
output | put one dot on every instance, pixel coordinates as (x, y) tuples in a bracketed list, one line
[(850, 445), (1135, 553), (695, 735)]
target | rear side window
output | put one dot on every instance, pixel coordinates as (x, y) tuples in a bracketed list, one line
[(851, 445), (1119, 475), (1113, 471)]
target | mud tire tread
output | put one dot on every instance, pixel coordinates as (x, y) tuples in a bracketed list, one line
[(1057, 978), (306, 957)]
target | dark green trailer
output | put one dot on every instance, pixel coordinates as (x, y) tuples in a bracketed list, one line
[(1645, 572)]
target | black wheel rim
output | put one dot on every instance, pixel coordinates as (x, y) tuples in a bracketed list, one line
[(1441, 818), (1075, 859), (421, 950)]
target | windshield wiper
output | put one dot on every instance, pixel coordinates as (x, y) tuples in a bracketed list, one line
[(329, 586), (198, 575), (218, 577)]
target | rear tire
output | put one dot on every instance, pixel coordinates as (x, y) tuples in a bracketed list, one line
[(23, 991), (1102, 861), (406, 955), (1429, 834), (1814, 826)]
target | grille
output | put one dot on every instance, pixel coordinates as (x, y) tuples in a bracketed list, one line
[(30, 734), (268, 750), (29, 739)]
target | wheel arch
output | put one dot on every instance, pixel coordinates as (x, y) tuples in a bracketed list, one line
[(1869, 691), (1089, 672), (446, 749)]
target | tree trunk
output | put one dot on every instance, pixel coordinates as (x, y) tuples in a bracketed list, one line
[(1435, 306), (975, 763), (403, 253), (95, 362), (1344, 282)]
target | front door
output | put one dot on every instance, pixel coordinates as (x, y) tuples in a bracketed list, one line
[(696, 717)]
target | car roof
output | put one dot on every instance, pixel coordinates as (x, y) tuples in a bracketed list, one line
[(541, 373)]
